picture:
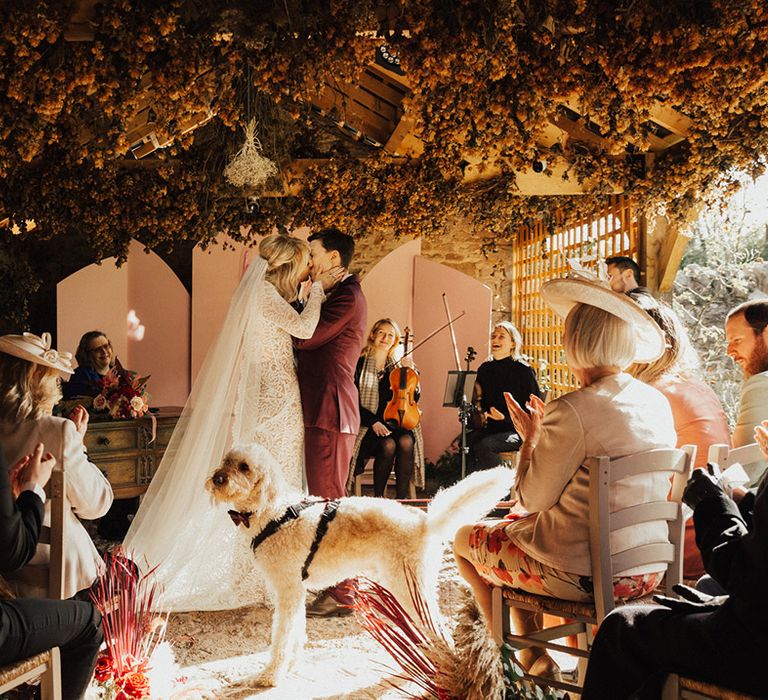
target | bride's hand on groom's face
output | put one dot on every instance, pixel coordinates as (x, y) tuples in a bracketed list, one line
[(330, 277)]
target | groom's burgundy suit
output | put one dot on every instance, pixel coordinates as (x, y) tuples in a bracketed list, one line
[(329, 397)]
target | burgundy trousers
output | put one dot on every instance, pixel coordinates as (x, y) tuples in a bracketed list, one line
[(327, 455)]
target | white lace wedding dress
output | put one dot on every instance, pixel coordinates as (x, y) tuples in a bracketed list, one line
[(247, 391)]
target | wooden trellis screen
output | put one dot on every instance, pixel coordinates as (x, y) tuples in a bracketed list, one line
[(541, 253)]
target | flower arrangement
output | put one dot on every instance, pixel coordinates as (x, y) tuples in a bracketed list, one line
[(464, 664), (137, 662), (123, 394)]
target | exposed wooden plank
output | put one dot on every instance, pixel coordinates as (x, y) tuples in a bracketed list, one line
[(670, 257), (81, 24), (670, 119), (378, 86), (348, 110), (577, 131), (389, 76), (403, 142)]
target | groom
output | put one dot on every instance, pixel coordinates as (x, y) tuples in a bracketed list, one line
[(329, 397)]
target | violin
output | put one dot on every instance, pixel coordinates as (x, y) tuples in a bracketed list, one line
[(403, 411)]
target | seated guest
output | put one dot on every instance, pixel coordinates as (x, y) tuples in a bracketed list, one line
[(390, 445), (722, 640), (504, 372), (29, 627), (29, 375), (698, 413), (612, 414), (95, 358)]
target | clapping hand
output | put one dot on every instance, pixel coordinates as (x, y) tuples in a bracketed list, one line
[(79, 417), (761, 437), (527, 425), (33, 468)]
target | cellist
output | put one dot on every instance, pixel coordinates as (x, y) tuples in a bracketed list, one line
[(390, 446)]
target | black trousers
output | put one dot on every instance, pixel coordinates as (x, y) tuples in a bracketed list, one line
[(30, 626), (638, 645), (484, 448)]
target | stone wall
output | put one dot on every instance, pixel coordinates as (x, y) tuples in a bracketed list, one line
[(457, 248)]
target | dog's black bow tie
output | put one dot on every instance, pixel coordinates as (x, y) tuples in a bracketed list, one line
[(239, 518)]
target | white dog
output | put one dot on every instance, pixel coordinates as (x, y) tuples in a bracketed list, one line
[(373, 537)]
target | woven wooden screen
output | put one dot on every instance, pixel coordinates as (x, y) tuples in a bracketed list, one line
[(541, 253)]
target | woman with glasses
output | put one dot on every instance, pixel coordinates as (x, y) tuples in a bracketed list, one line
[(95, 358)]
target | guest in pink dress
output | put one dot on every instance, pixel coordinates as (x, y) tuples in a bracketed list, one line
[(697, 412)]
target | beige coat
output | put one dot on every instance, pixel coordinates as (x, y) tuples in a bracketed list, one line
[(88, 491), (615, 416), (753, 408)]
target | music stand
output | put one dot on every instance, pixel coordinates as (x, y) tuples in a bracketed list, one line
[(459, 385)]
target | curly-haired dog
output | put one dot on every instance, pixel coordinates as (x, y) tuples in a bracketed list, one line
[(373, 537)]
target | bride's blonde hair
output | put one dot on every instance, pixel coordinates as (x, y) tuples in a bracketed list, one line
[(286, 257)]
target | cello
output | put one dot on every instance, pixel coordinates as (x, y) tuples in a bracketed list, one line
[(403, 411)]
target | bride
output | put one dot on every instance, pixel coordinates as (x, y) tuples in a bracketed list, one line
[(246, 391)]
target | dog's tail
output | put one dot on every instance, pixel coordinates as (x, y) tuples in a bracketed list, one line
[(467, 501)]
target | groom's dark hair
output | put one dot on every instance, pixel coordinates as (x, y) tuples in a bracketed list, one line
[(333, 239)]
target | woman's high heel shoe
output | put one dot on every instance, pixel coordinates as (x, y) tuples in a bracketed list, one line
[(546, 667)]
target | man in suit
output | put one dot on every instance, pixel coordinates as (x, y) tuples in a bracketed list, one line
[(720, 639), (29, 626), (329, 397)]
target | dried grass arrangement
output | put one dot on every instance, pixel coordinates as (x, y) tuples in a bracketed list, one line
[(249, 168), (464, 664)]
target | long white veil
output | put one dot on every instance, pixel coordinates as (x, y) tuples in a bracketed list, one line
[(178, 529)]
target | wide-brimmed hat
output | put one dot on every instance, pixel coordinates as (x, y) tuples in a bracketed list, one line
[(37, 349), (561, 295)]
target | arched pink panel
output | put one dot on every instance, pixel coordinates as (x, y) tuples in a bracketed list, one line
[(436, 356), (388, 286), (101, 296)]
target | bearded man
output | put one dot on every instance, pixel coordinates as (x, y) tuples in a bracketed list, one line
[(746, 331)]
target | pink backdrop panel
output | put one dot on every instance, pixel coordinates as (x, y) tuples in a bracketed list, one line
[(162, 304), (100, 297), (93, 298), (388, 286), (436, 357)]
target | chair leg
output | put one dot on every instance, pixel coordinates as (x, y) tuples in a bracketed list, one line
[(50, 681), (358, 486), (412, 490), (499, 615), (671, 689)]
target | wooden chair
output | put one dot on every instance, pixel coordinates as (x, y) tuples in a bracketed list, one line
[(46, 665), (50, 576), (724, 456), (366, 479), (582, 616), (679, 688)]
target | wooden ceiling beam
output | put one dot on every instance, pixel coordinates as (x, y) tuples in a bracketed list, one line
[(81, 24)]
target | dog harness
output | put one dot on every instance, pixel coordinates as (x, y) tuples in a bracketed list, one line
[(292, 513)]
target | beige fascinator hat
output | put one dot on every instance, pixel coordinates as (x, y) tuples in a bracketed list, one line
[(561, 295), (37, 349)]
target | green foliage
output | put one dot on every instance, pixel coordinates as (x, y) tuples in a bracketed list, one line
[(517, 688)]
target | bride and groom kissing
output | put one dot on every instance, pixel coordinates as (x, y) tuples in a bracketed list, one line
[(301, 406)]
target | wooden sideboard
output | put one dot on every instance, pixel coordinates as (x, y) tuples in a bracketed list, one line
[(123, 451)]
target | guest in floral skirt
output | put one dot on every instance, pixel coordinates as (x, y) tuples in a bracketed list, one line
[(612, 414)]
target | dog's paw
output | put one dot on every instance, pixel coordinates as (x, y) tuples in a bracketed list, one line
[(268, 678)]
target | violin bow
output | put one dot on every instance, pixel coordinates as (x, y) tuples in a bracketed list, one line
[(453, 335), (433, 333)]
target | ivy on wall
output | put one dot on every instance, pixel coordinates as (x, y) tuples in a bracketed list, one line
[(487, 77)]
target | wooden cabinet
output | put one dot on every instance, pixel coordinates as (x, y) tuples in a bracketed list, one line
[(125, 452)]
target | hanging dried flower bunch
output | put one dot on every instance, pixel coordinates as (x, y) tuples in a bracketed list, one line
[(249, 168)]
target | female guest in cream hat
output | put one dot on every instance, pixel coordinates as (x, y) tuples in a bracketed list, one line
[(30, 372), (612, 414)]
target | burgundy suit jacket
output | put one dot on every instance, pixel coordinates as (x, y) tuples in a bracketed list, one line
[(327, 361)]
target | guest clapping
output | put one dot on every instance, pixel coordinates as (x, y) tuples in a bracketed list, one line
[(494, 432), (390, 446), (612, 414), (30, 371)]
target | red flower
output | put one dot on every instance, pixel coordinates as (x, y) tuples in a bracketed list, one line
[(103, 671), (495, 540), (135, 686)]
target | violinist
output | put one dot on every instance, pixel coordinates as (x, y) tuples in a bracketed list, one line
[(390, 446), (493, 430)]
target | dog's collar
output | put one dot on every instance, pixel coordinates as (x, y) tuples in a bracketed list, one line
[(239, 518), (291, 513)]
